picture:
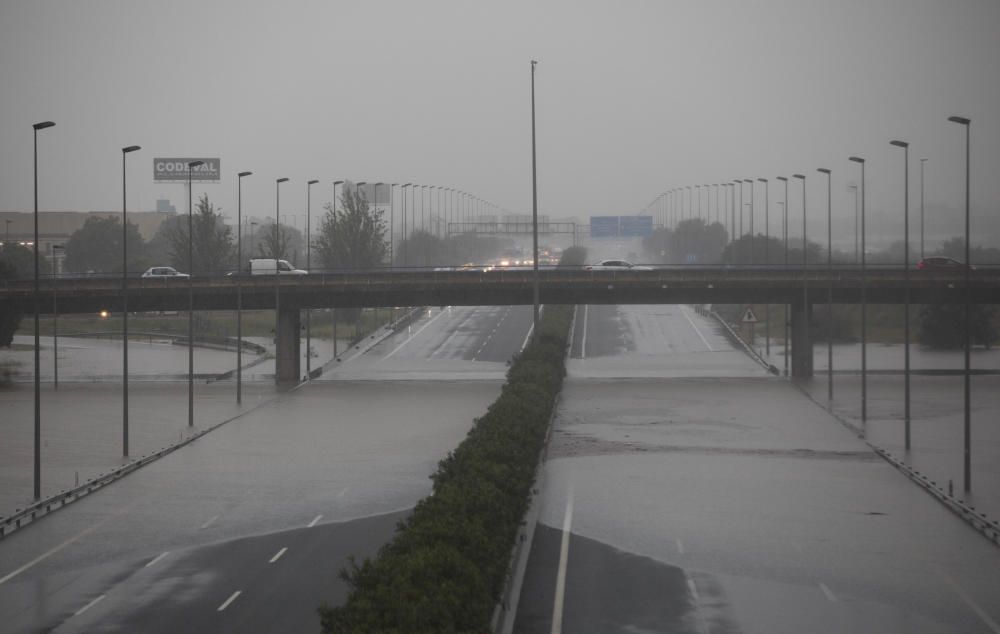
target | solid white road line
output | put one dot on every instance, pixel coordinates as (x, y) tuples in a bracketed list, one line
[(691, 321), (972, 604), (557, 608), (88, 606), (680, 546), (229, 600), (278, 555), (829, 593), (209, 522), (315, 519), (410, 338), (583, 337), (158, 558), (528, 338)]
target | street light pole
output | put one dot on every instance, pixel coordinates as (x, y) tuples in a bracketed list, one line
[(855, 188), (191, 165), (239, 284), (534, 210), (125, 150), (750, 180), (967, 387), (864, 308), (784, 240), (829, 293), (309, 185), (922, 161), (38, 360), (277, 275), (906, 288), (767, 262), (806, 310)]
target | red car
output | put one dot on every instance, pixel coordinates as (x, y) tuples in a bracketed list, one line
[(942, 264)]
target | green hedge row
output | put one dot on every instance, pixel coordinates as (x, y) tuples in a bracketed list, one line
[(444, 570)]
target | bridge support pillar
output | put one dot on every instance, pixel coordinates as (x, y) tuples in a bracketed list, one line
[(802, 348), (286, 345)]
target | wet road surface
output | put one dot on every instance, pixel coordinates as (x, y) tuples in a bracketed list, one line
[(187, 542), (732, 499)]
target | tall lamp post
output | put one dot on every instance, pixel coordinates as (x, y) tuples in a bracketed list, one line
[(56, 249), (38, 360), (906, 288), (922, 161), (750, 180), (239, 283), (309, 185), (829, 291), (784, 240), (805, 276), (125, 150), (333, 311), (190, 167), (968, 317), (405, 238), (864, 307), (767, 262), (534, 212), (856, 233), (277, 274)]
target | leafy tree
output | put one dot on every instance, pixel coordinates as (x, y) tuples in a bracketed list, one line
[(423, 248), (21, 261), (281, 242), (10, 318), (738, 252), (97, 246), (212, 247), (943, 325), (352, 236), (695, 242), (658, 246)]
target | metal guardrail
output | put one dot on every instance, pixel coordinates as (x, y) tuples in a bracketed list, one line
[(37, 510)]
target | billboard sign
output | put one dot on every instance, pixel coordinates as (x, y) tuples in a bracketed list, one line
[(604, 226), (176, 170), (635, 226)]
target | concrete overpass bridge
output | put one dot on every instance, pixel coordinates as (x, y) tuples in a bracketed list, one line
[(799, 287)]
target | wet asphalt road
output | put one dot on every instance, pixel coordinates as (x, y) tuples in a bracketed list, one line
[(323, 472), (713, 498)]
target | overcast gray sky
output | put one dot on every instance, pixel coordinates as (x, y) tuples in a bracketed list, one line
[(633, 98)]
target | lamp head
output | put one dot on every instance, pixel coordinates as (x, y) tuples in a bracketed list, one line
[(763, 180), (242, 174), (335, 183), (823, 170), (962, 120), (802, 176), (43, 125), (311, 182), (281, 180), (131, 148), (856, 159), (899, 143), (781, 178), (195, 164)]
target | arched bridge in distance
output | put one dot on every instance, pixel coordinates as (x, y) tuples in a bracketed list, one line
[(798, 287)]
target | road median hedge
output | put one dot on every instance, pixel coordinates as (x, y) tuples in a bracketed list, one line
[(444, 570)]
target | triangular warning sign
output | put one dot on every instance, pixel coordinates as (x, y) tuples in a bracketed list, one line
[(749, 317)]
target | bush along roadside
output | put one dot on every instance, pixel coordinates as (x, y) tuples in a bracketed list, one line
[(444, 569)]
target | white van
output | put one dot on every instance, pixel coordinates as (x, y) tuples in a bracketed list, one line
[(266, 266)]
